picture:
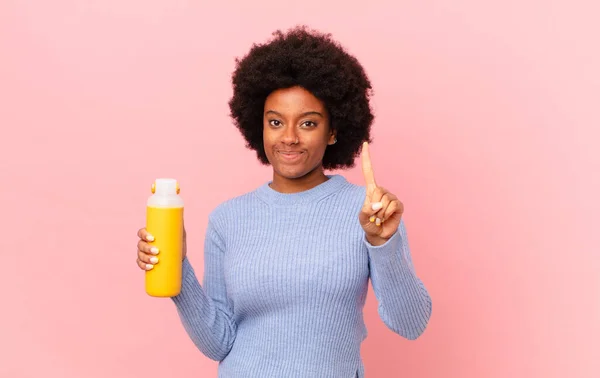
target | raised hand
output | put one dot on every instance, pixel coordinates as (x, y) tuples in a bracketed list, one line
[(381, 212)]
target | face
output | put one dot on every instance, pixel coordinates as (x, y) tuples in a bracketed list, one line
[(296, 133)]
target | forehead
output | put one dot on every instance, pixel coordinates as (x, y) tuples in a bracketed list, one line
[(293, 100)]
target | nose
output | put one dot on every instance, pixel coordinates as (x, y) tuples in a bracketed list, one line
[(289, 136)]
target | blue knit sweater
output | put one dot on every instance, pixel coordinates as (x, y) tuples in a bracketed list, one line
[(285, 282)]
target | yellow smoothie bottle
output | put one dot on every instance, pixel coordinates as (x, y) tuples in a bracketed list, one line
[(164, 221)]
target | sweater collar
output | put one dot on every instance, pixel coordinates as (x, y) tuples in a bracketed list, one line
[(314, 194)]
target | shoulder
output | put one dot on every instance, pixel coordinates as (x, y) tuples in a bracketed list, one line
[(353, 193), (345, 199), (222, 219), (233, 206), (355, 190)]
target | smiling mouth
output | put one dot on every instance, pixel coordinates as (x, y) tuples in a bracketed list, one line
[(290, 155)]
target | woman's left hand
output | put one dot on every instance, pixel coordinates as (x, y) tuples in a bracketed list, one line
[(382, 211)]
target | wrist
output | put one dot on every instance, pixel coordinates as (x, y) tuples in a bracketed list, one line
[(376, 240)]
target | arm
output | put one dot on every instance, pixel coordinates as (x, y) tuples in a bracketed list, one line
[(404, 303), (204, 310)]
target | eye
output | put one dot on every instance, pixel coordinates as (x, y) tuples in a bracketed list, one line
[(274, 122), (308, 124)]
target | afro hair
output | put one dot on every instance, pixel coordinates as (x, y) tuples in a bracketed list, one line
[(315, 62)]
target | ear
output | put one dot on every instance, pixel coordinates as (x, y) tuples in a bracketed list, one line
[(332, 137)]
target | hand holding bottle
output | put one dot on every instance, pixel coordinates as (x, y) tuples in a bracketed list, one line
[(147, 255)]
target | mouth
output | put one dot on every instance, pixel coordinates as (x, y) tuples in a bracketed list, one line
[(290, 156)]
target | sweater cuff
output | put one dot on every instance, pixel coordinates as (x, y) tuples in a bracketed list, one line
[(390, 254)]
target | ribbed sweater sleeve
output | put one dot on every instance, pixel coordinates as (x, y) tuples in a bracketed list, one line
[(404, 304), (204, 309)]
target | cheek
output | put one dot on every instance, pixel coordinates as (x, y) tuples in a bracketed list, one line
[(318, 149), (268, 141)]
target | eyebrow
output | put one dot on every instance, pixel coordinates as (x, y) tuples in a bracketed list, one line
[(302, 115)]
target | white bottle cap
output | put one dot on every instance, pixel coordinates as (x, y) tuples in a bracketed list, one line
[(166, 186)]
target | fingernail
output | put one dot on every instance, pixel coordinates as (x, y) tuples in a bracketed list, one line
[(154, 250), (149, 237), (372, 219), (376, 206), (154, 260), (378, 222), (149, 266)]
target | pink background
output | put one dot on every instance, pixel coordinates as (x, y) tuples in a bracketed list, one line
[(487, 128)]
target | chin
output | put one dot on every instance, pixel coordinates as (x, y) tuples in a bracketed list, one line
[(292, 173)]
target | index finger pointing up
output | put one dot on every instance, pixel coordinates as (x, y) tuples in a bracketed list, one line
[(367, 167)]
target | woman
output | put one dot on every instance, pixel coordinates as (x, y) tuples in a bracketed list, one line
[(287, 265)]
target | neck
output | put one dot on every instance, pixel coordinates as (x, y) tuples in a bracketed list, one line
[(294, 185)]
